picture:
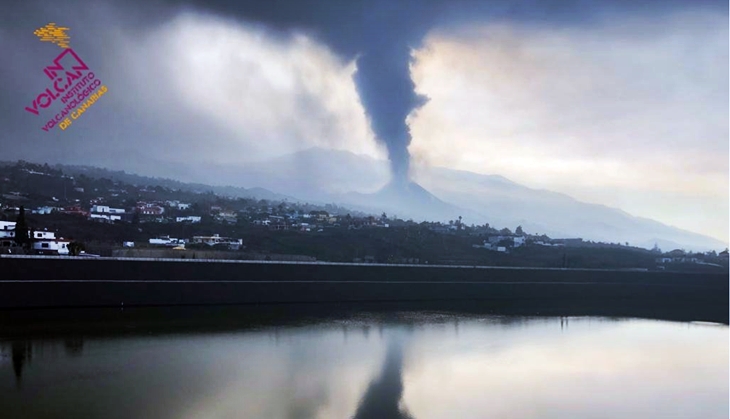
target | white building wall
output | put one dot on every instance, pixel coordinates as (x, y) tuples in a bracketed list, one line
[(103, 209), (192, 219), (100, 208), (59, 246), (44, 235)]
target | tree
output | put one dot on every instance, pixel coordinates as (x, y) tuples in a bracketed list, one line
[(21, 229), (75, 248), (519, 231), (505, 243), (31, 238), (505, 232), (135, 217)]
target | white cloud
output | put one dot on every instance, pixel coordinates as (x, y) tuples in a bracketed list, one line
[(634, 106), (265, 93)]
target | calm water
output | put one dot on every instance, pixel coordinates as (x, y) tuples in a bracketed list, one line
[(412, 366)]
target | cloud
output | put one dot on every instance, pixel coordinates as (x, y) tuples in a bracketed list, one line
[(628, 106), (190, 88), (627, 111), (276, 95)]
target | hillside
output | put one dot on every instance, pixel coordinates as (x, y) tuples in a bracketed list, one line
[(478, 198), (440, 195)]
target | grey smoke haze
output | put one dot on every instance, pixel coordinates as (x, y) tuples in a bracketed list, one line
[(380, 34), (196, 86)]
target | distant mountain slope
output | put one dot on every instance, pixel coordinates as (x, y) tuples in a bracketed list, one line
[(405, 200), (478, 198), (122, 176), (553, 213)]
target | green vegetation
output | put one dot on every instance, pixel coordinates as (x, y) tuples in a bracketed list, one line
[(75, 248), (326, 232), (21, 229)]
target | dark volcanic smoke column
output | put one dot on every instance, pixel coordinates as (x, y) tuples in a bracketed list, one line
[(388, 94)]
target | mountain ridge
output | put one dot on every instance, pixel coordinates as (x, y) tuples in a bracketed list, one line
[(497, 200), (362, 182)]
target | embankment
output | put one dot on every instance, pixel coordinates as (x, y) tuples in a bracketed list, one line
[(204, 254), (35, 282)]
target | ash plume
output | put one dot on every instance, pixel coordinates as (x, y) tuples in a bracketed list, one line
[(380, 34)]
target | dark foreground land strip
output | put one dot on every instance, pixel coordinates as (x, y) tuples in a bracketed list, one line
[(46, 282)]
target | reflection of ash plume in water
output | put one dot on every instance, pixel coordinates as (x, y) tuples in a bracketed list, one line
[(383, 396), (22, 354)]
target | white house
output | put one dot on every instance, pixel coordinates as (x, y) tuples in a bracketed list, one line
[(103, 209), (188, 219), (7, 234), (7, 229), (43, 210), (234, 244), (43, 241), (55, 246), (177, 204), (46, 242), (110, 217), (103, 212), (44, 235), (167, 241)]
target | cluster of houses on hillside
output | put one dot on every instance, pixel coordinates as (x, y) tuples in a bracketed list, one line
[(315, 221), (42, 242), (105, 213), (214, 240), (279, 217), (504, 242), (293, 218), (500, 242), (681, 256)]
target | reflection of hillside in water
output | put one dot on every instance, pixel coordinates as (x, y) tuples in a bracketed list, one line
[(382, 399)]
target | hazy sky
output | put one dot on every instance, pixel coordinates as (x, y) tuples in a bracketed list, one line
[(631, 112), (626, 105)]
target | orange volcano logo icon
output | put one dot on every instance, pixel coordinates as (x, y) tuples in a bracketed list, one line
[(53, 33)]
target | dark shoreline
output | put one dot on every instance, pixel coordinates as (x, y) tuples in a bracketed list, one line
[(30, 285)]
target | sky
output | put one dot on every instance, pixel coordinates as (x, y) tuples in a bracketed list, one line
[(621, 104)]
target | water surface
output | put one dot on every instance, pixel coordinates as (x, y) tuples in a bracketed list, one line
[(409, 365)]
